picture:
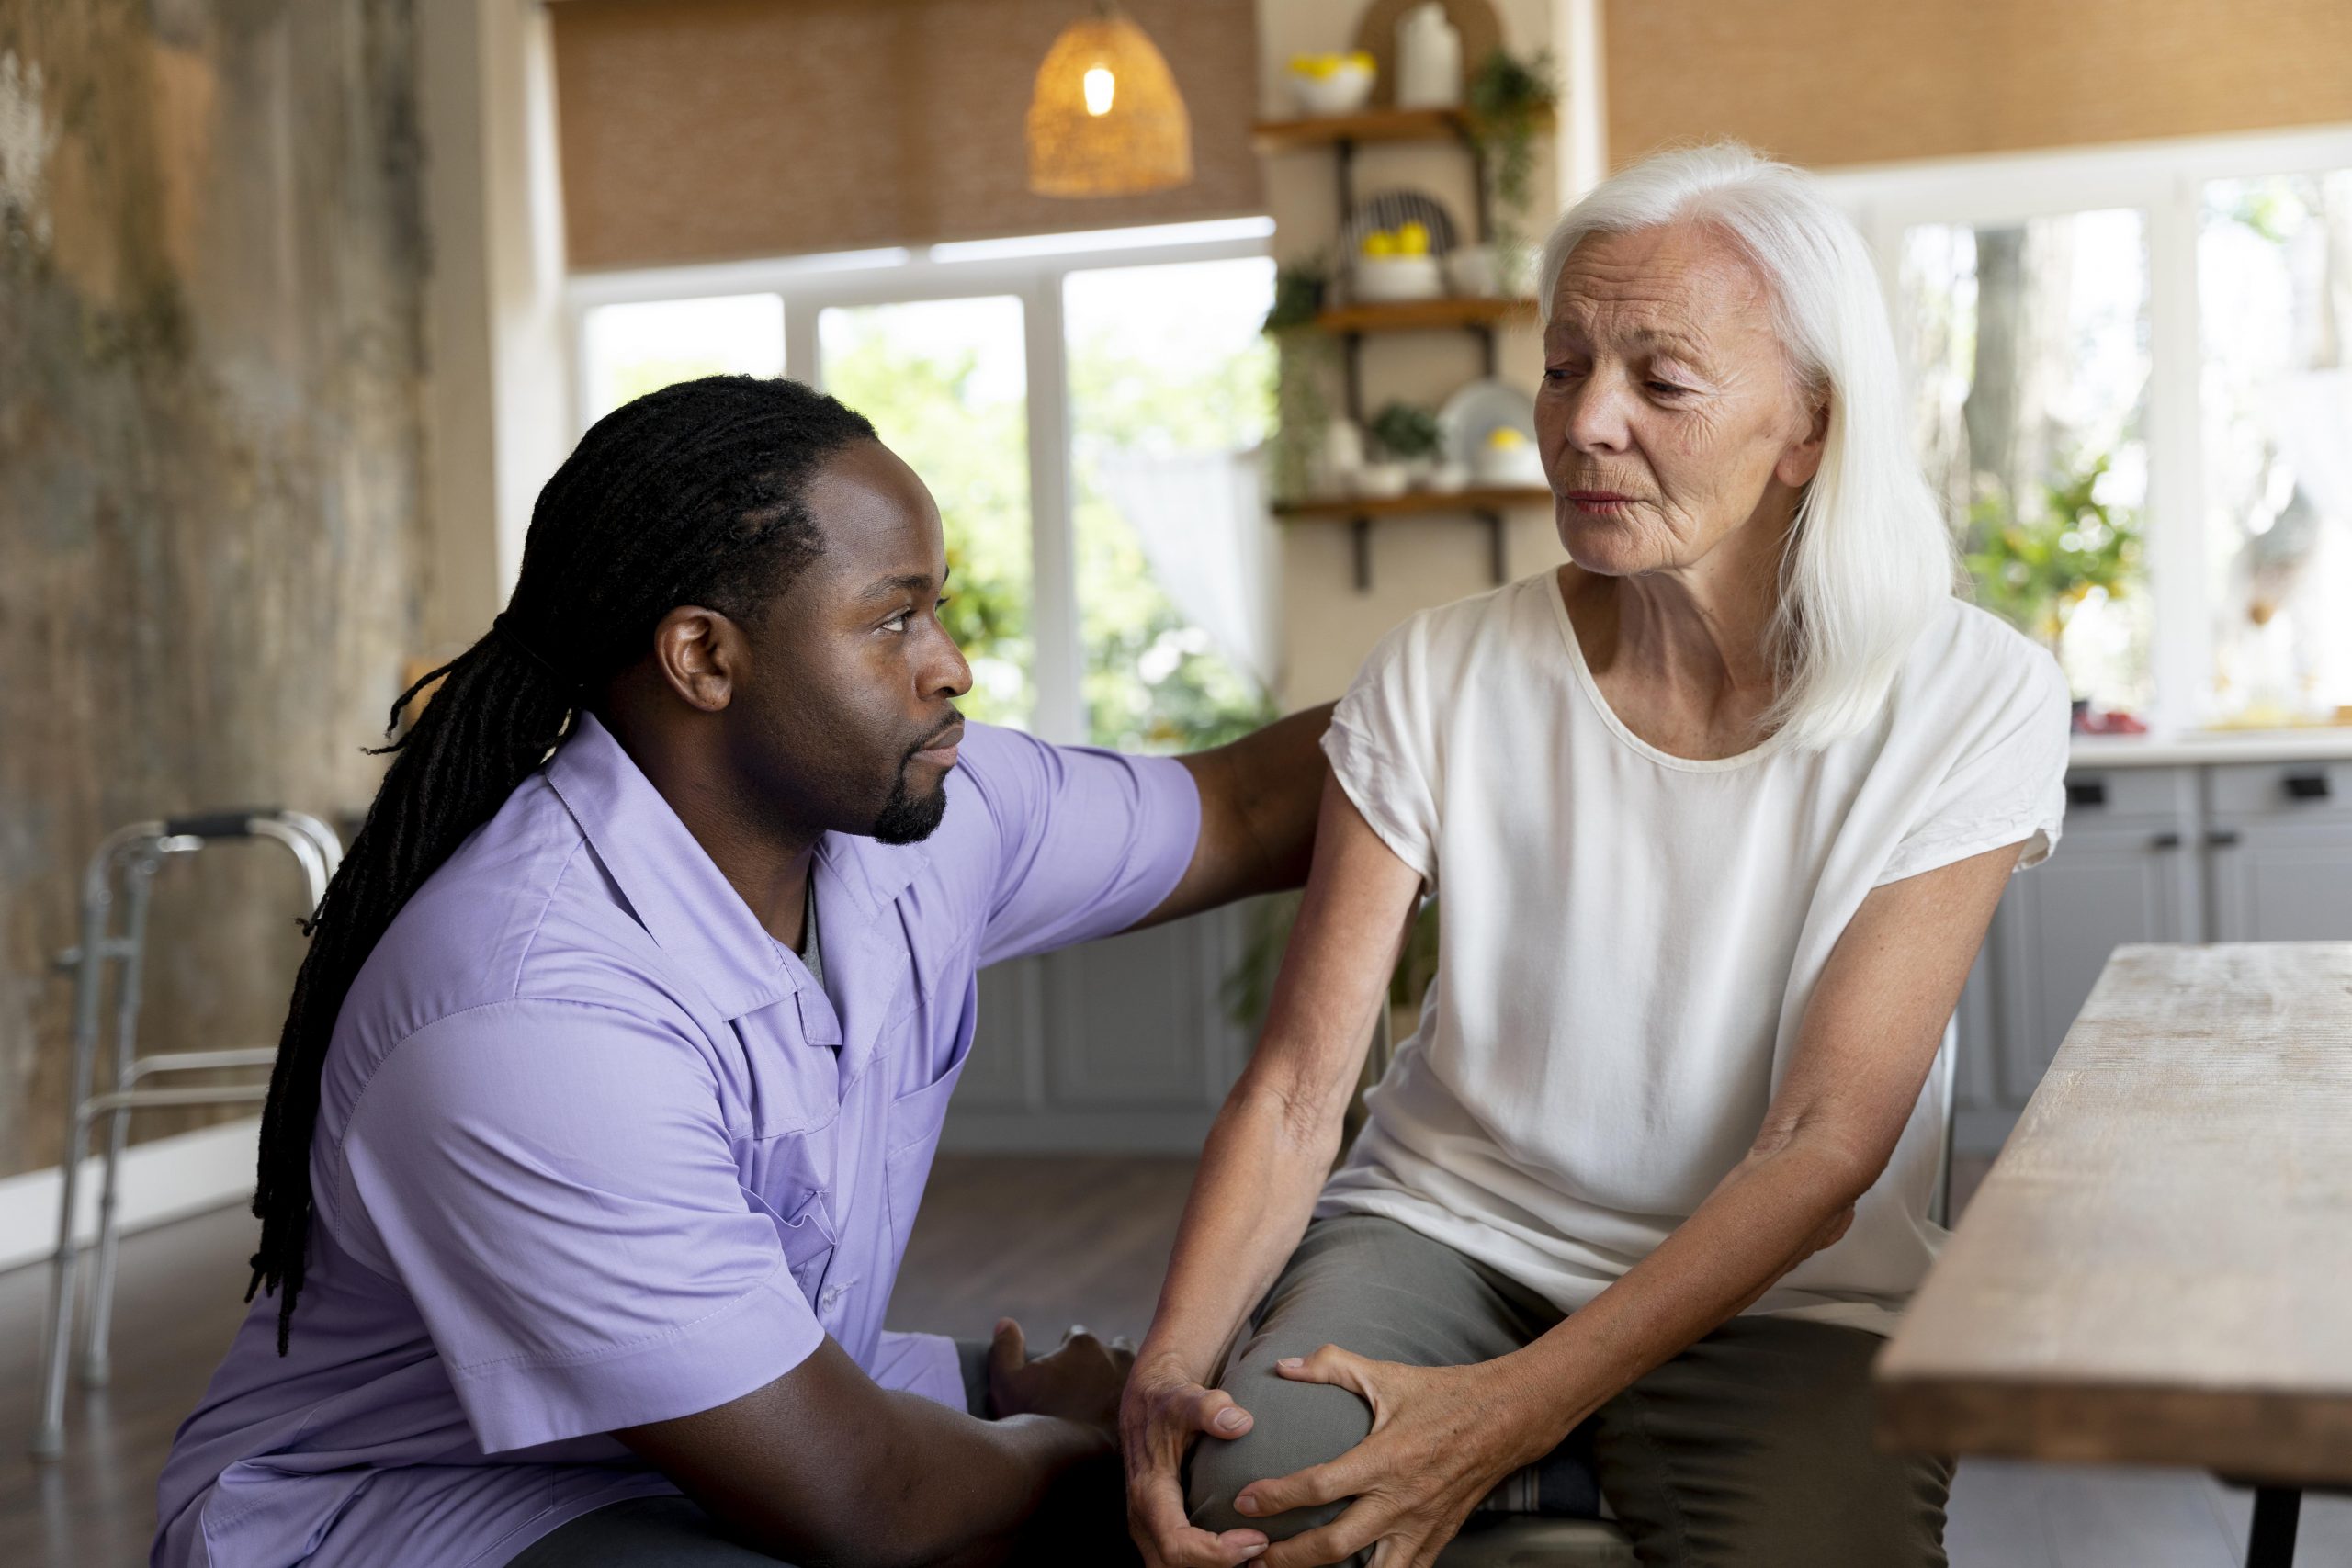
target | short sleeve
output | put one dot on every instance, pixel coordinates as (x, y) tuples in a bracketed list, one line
[(1087, 842), (1382, 746), (2004, 780), (554, 1185)]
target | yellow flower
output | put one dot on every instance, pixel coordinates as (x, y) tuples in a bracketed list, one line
[(1503, 438), (1413, 238), (1380, 243)]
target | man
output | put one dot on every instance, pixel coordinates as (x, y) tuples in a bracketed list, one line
[(615, 1071)]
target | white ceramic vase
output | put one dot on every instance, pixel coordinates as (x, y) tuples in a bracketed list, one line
[(1429, 59)]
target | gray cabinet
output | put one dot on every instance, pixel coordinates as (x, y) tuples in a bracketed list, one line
[(1120, 1045), (2279, 852), (2195, 852)]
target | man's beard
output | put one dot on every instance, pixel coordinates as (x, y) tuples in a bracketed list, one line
[(907, 819)]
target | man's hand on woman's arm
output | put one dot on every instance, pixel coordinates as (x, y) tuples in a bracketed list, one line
[(825, 1466), (1442, 1437), (1261, 1171)]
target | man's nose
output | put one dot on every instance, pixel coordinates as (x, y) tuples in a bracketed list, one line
[(949, 673)]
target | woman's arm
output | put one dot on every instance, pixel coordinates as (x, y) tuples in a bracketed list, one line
[(1263, 1164), (1441, 1437)]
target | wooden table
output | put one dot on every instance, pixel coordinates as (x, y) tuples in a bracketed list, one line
[(2158, 1269)]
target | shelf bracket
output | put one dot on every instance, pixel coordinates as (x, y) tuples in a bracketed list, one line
[(1360, 538), (1496, 554)]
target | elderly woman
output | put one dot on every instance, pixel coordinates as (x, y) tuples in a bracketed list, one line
[(1719, 812)]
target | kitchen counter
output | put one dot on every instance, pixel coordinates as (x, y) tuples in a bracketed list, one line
[(2319, 743)]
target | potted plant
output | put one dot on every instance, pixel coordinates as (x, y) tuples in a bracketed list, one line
[(2034, 571), (1507, 102), (1406, 432), (1303, 360)]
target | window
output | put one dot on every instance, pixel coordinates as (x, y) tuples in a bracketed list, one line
[(628, 351), (2130, 385), (1086, 410), (946, 383), (2274, 266), (2028, 344), (1170, 388)]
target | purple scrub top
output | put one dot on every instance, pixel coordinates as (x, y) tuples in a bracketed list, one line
[(596, 1150)]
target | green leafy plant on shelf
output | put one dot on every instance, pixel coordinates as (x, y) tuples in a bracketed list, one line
[(1304, 362), (1506, 104), (1406, 432), (2033, 571)]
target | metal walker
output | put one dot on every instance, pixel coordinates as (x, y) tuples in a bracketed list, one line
[(135, 853)]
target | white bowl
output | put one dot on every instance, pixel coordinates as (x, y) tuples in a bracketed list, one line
[(1505, 467), (1382, 279), (1471, 271), (1382, 481), (1344, 90)]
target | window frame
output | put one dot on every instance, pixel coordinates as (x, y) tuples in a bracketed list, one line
[(1033, 270), (2164, 181)]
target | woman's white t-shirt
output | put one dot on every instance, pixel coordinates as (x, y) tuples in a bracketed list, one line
[(1628, 939)]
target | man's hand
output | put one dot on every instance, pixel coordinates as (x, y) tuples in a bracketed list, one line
[(1080, 1382)]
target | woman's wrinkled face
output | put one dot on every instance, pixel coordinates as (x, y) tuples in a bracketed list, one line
[(1669, 415)]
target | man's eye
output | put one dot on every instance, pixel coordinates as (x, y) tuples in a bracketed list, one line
[(898, 623), (1667, 388)]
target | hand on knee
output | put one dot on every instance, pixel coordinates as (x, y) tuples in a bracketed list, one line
[(1275, 1447)]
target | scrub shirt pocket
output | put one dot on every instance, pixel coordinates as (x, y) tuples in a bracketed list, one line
[(913, 1137), (808, 1238)]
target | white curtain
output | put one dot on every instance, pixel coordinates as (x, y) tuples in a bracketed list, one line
[(2311, 415), (1201, 518)]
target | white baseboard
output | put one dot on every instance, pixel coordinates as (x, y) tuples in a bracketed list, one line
[(164, 1179)]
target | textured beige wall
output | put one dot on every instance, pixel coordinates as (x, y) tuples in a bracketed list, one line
[(1328, 626), (210, 261), (711, 129), (1826, 81)]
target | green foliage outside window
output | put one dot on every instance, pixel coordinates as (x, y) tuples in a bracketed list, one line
[(2033, 571), (974, 454), (1153, 682)]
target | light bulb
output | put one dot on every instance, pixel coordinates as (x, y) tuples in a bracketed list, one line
[(1099, 88)]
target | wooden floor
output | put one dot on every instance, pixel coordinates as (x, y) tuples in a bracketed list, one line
[(1050, 1241)]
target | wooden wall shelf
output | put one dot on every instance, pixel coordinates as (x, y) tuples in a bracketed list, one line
[(1341, 135), (1412, 503), (1371, 125), (1425, 315), (1485, 505)]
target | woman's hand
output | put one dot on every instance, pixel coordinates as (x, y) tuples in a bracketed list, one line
[(1441, 1438), (1165, 1412)]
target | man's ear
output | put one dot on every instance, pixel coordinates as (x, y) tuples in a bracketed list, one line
[(701, 654), (1802, 460)]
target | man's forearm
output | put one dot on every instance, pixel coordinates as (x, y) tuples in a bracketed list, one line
[(1260, 800), (822, 1466), (1280, 773)]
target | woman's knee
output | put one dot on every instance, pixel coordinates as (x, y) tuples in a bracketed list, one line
[(1294, 1426)]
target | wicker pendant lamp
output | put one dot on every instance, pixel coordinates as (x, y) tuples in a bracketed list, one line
[(1105, 119)]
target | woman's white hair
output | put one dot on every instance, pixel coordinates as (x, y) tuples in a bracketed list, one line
[(1869, 555)]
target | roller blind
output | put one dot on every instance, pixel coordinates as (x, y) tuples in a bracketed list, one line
[(696, 130), (1829, 82)]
